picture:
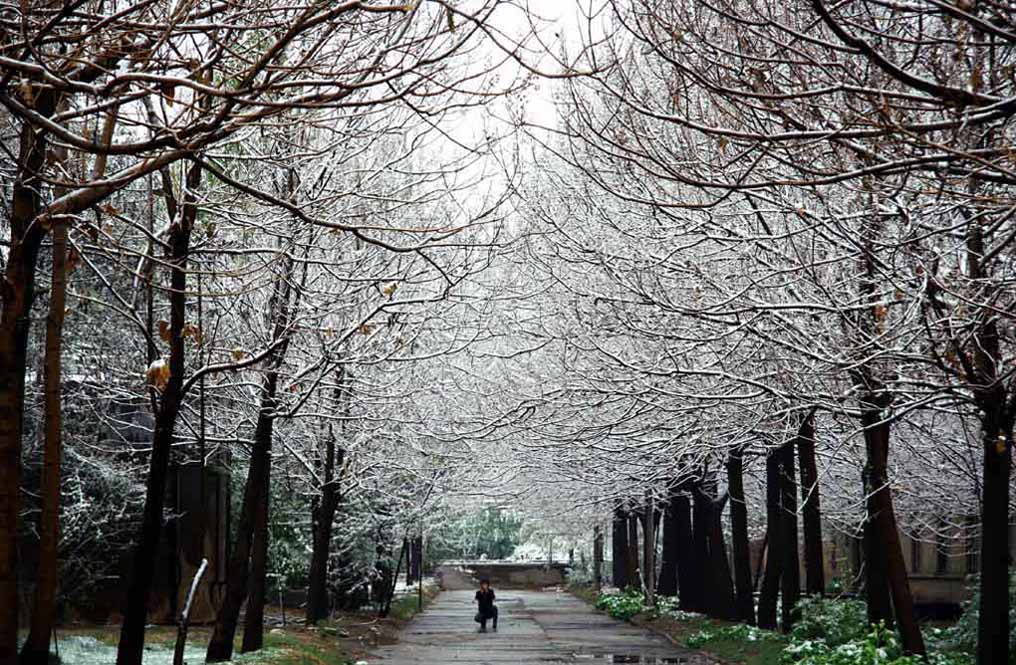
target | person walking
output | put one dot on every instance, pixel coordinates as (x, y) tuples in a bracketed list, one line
[(487, 609)]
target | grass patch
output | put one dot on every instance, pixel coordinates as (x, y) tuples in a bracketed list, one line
[(733, 643), (406, 607), (342, 640)]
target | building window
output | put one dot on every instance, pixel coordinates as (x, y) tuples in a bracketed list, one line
[(915, 555), (973, 543), (942, 550)]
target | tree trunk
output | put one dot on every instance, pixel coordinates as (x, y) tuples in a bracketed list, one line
[(993, 619), (811, 512), (619, 549), (632, 557), (685, 554), (671, 546), (254, 619), (791, 566), (17, 293), (876, 579), (132, 632), (998, 410), (410, 553), (389, 591), (721, 593), (597, 557), (649, 552), (885, 533), (744, 604), (769, 593), (323, 519), (36, 647), (248, 562), (700, 552), (220, 647), (418, 557)]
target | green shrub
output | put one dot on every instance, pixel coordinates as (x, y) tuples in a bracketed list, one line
[(623, 605), (963, 635), (669, 607), (880, 646), (831, 621)]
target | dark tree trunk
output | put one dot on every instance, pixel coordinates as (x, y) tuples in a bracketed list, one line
[(791, 566), (883, 538), (132, 631), (993, 619), (885, 534), (322, 520), (649, 551), (36, 647), (597, 557), (632, 565), (811, 512), (720, 595), (418, 557), (671, 546), (700, 552), (619, 549), (254, 618), (323, 515), (220, 647), (998, 411), (389, 592), (876, 578), (744, 600), (245, 574), (761, 560), (410, 555), (769, 593), (685, 553), (16, 296)]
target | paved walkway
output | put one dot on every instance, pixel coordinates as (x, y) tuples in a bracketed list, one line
[(534, 627)]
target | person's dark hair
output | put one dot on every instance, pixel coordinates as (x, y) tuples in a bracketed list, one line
[(485, 581)]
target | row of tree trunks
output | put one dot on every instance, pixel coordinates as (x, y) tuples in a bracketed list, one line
[(694, 560)]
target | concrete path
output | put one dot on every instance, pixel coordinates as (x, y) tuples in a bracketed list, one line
[(534, 627)]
